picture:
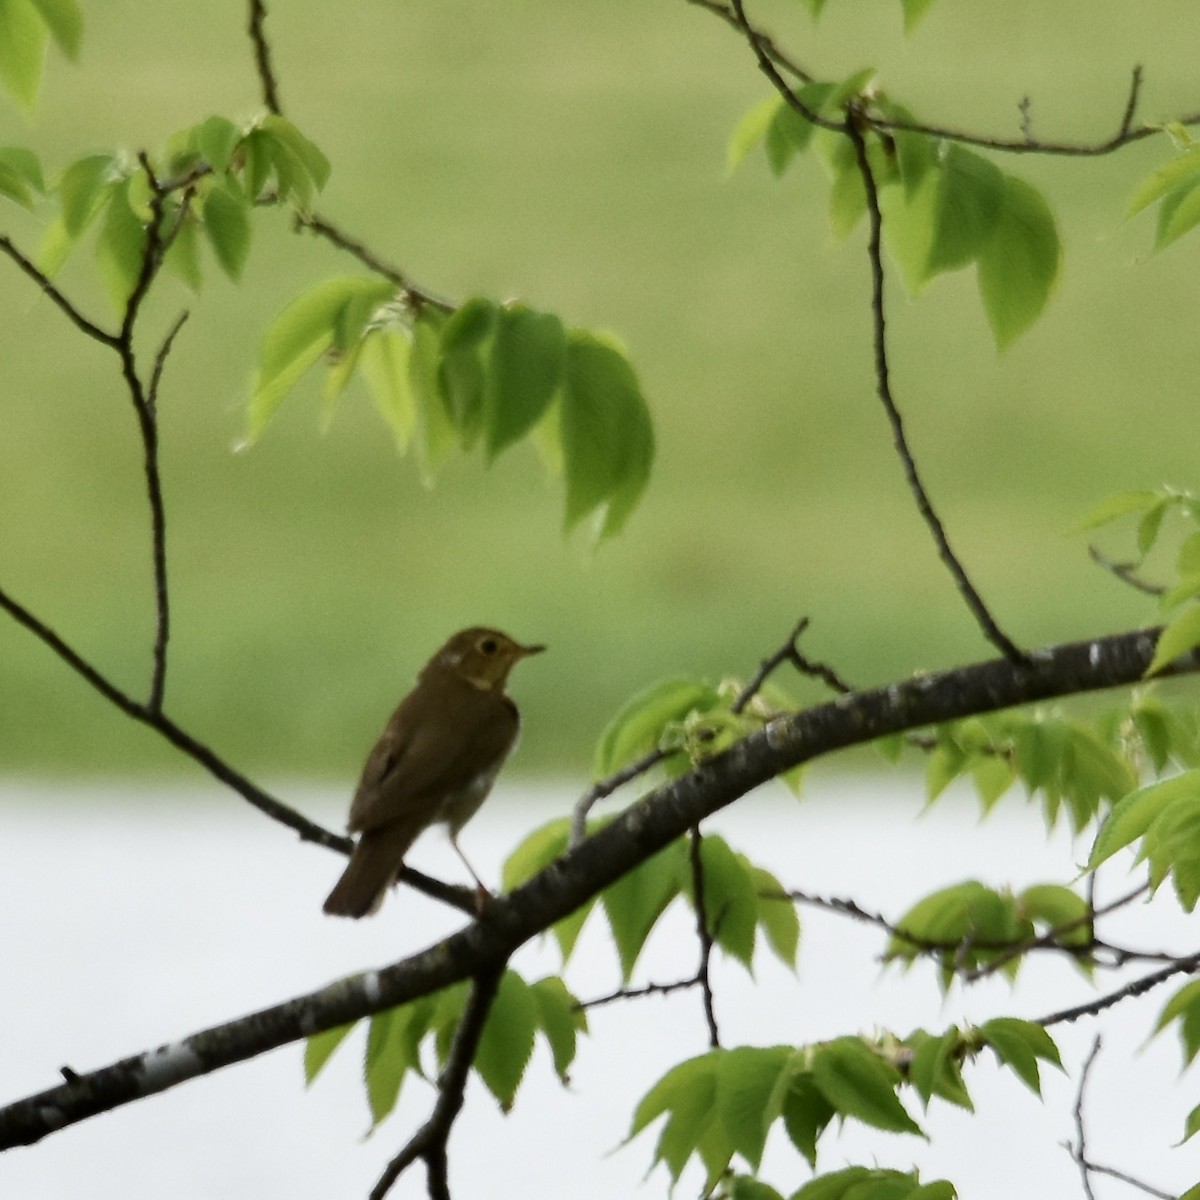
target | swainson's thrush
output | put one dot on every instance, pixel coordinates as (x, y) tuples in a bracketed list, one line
[(434, 763)]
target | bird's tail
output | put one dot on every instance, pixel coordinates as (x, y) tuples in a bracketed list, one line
[(373, 867)]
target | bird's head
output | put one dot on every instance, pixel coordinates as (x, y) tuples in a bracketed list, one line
[(481, 656)]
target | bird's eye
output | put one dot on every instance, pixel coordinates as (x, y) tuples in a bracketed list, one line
[(488, 646)]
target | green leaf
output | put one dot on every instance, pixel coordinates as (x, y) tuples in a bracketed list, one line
[(84, 188), (561, 1020), (20, 175), (1019, 262), (730, 898), (971, 193), (914, 10), (302, 332), (743, 1187), (121, 247), (507, 1040), (1190, 1129), (1184, 1007), (607, 440), (1180, 635), (750, 130), (227, 224), (777, 916), (319, 1048), (307, 153), (65, 22), (790, 132), (183, 255), (215, 140), (436, 433), (22, 50), (384, 363), (805, 1110), (462, 375), (1136, 812), (935, 1070), (1172, 846), (1177, 214), (1054, 907), (393, 1039), (858, 1083), (635, 902), (1020, 1044), (640, 724), (1119, 504), (524, 373), (746, 1078), (1180, 171)]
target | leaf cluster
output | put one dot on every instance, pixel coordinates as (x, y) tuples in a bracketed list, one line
[(725, 1103), (396, 1039)]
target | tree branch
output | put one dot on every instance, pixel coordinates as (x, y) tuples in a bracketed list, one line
[(703, 934), (262, 55), (632, 837)]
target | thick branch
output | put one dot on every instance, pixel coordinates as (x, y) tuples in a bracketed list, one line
[(600, 860)]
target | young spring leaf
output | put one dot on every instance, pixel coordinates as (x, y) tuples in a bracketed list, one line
[(640, 724), (746, 1079), (525, 371), (319, 1048), (226, 217), (858, 1083), (65, 23), (23, 38), (1184, 1007), (20, 175), (730, 899), (560, 1019), (635, 902), (1181, 634), (970, 196), (1136, 812), (507, 1040), (1020, 1045)]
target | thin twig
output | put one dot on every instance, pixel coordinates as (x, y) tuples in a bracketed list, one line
[(974, 601), (768, 44), (43, 281), (639, 993), (703, 933), (606, 787), (262, 55), (1137, 987), (1078, 1149), (418, 297), (429, 1142), (1126, 572), (160, 359)]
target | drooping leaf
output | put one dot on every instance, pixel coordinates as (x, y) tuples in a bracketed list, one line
[(83, 188), (607, 440), (23, 37), (730, 898), (1019, 262), (20, 175), (507, 1040), (525, 371), (1119, 504), (227, 225), (1180, 635), (65, 23), (1180, 171), (746, 1077), (384, 363), (858, 1083), (970, 196), (560, 1019), (121, 247), (319, 1048), (1184, 1007), (215, 139), (635, 902), (1021, 1045), (777, 916), (1136, 812)]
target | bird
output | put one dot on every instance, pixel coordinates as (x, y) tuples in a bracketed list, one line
[(434, 763)]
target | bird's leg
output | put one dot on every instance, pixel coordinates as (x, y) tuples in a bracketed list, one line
[(482, 894)]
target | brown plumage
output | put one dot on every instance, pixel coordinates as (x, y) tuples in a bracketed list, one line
[(434, 763)]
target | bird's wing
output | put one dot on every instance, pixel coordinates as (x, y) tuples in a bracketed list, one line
[(430, 753)]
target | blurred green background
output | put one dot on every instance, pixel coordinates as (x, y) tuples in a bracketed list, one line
[(573, 154)]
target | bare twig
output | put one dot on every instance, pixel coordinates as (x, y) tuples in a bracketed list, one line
[(1188, 965), (1078, 1149), (416, 296), (703, 933), (160, 359), (639, 993), (606, 787), (429, 1142), (262, 55), (974, 601), (764, 40), (1126, 572), (62, 303)]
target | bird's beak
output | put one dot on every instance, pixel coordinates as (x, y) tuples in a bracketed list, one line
[(526, 651)]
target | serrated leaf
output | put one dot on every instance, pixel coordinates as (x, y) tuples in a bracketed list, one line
[(393, 1038), (436, 434), (462, 374), (23, 38), (183, 254), (743, 1187), (805, 1110), (1134, 814), (227, 225), (687, 1078), (970, 195), (1180, 635), (319, 1048), (607, 439), (635, 902), (1055, 907), (537, 850), (1019, 262), (777, 916), (561, 1020), (507, 1040), (1172, 846), (746, 1077), (1020, 1045), (834, 1185), (859, 1084), (934, 1070), (1191, 1126), (730, 898), (384, 362), (525, 370)]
